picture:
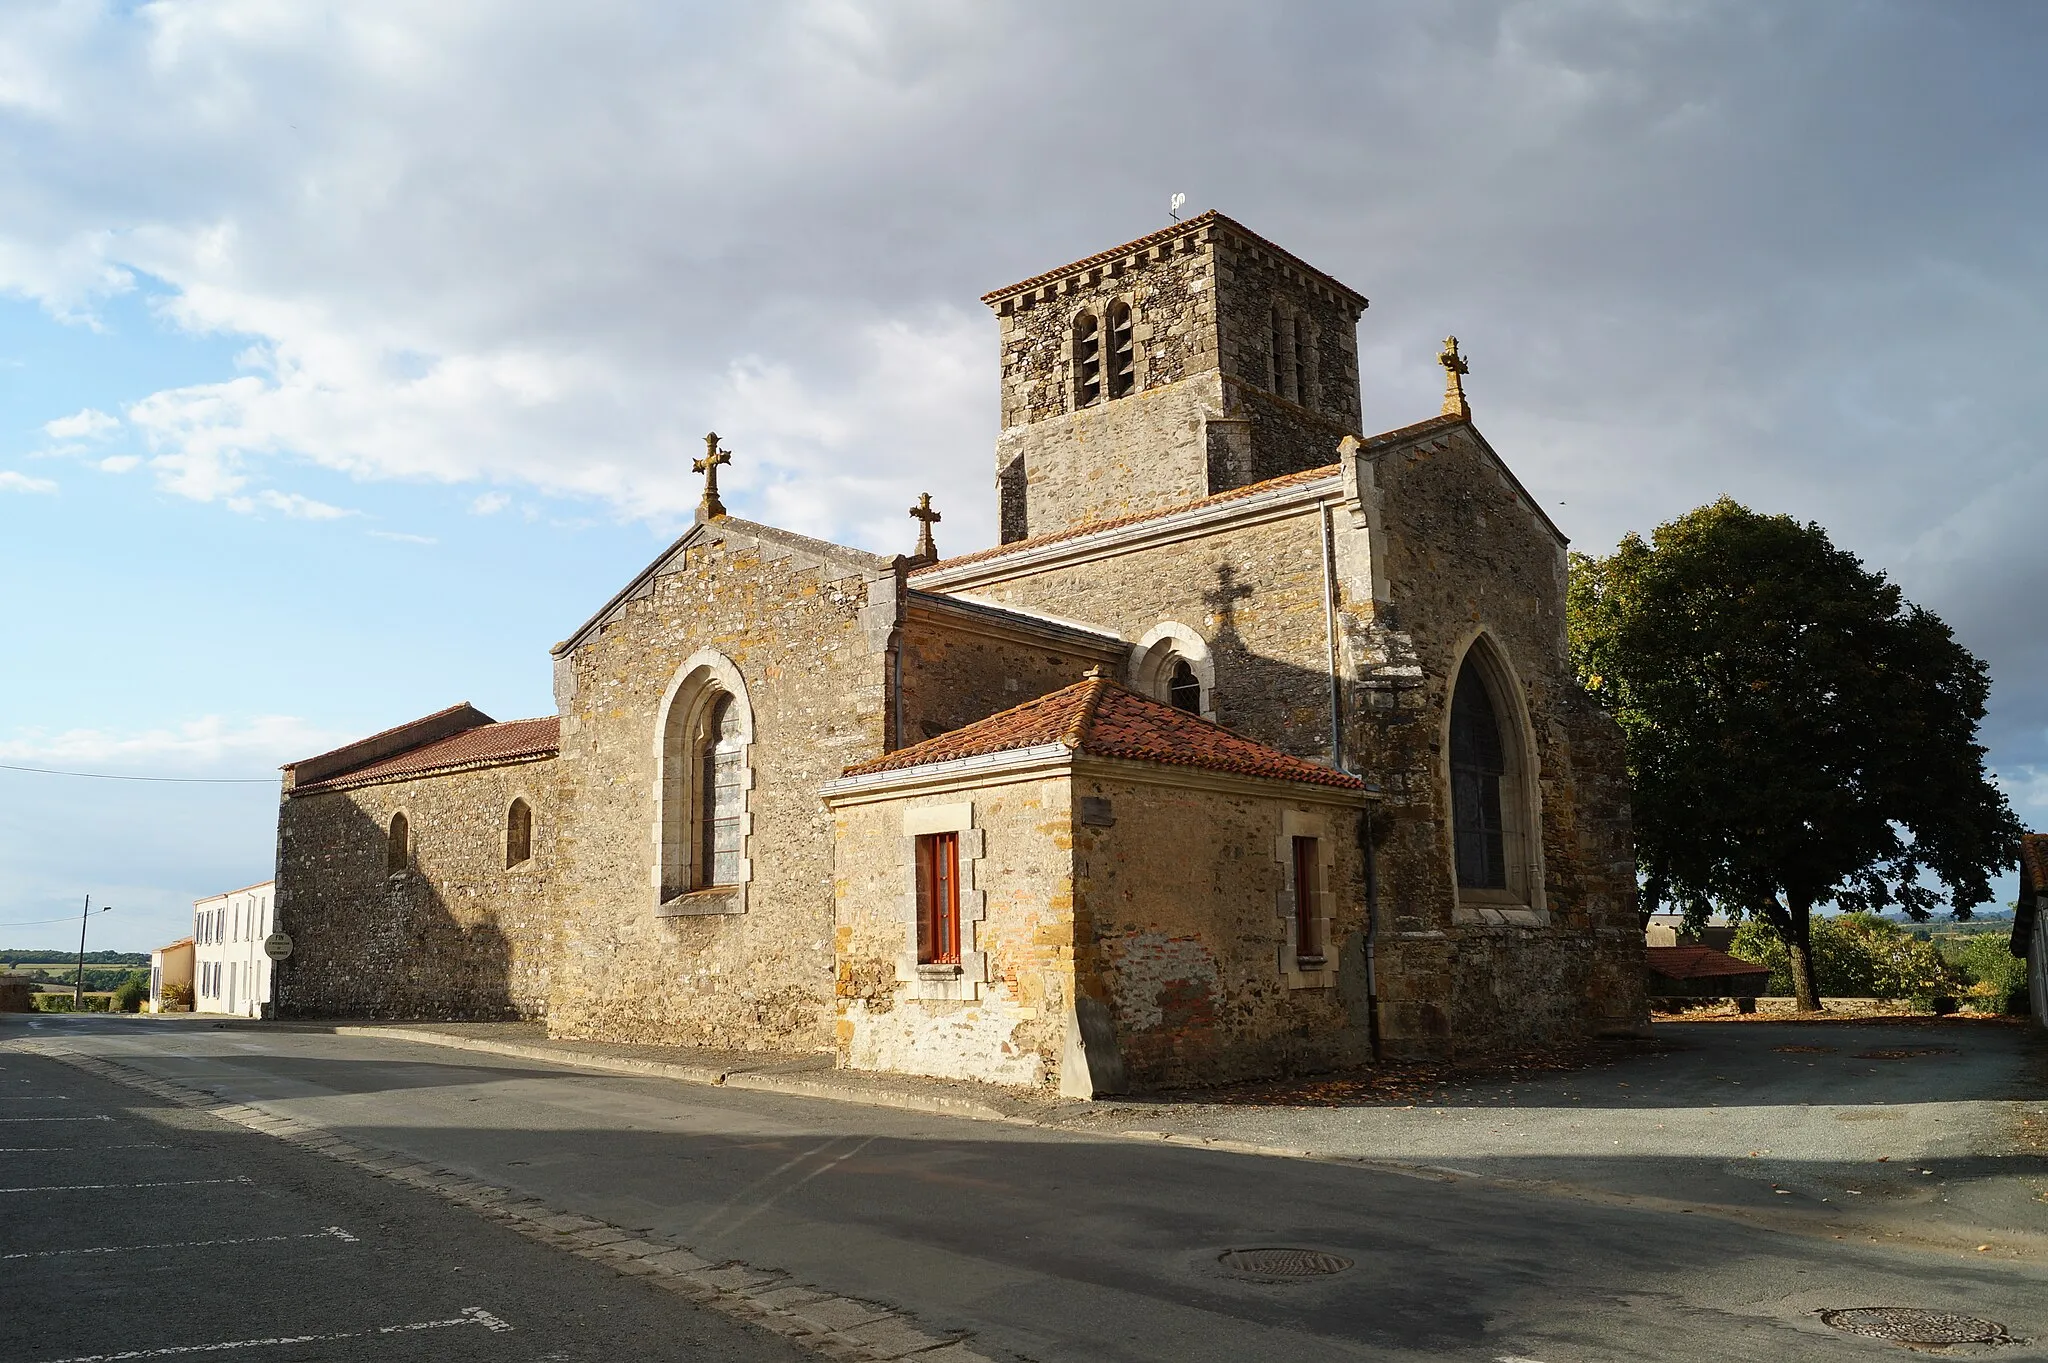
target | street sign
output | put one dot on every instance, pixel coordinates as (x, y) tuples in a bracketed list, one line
[(277, 946)]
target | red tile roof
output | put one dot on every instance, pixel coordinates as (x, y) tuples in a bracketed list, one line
[(1285, 480), (1697, 962), (1099, 718), (2034, 862), (482, 746)]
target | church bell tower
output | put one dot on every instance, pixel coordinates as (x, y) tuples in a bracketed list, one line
[(1192, 361)]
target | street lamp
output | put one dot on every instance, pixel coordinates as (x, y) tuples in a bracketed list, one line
[(78, 983)]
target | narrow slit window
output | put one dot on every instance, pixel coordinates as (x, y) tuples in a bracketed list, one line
[(1478, 765), (1122, 352), (1300, 349), (1308, 923), (518, 833), (398, 845), (1087, 359), (938, 899), (1184, 688), (719, 844), (1282, 369)]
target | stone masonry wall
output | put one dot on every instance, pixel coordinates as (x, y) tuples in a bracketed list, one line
[(1253, 593), (761, 979), (458, 935), (953, 676), (1462, 551), (1014, 1031), (1180, 925), (1250, 280)]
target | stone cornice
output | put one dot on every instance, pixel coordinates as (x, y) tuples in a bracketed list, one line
[(1045, 759), (430, 774), (970, 616)]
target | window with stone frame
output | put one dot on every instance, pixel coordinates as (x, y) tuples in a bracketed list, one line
[(398, 845), (719, 806), (1280, 357), (1087, 359), (938, 898), (1123, 370), (1303, 389), (518, 833), (1479, 767)]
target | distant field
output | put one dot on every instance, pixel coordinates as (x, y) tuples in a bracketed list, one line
[(19, 958)]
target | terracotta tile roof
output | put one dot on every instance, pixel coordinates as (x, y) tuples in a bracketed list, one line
[(1285, 480), (173, 946), (1697, 962), (382, 733), (1099, 718), (481, 746), (2034, 862)]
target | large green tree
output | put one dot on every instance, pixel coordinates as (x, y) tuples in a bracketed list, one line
[(1798, 732)]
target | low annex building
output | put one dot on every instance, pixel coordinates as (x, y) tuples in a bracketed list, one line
[(1253, 747)]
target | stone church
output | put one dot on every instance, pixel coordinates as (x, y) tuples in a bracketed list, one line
[(1253, 747)]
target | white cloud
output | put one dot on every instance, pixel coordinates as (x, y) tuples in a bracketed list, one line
[(120, 463), (208, 746), (490, 504), (290, 504), (10, 481), (401, 537), (88, 424)]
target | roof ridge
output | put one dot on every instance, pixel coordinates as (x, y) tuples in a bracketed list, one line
[(1084, 717)]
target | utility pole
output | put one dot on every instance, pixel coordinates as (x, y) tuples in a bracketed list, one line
[(78, 982)]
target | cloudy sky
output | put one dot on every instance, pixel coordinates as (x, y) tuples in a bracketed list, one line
[(352, 353)]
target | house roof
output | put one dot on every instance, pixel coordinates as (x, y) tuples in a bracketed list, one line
[(1099, 718), (1135, 518), (173, 946), (1697, 962), (483, 745), (2034, 862)]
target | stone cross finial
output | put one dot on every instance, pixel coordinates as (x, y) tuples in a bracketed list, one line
[(710, 507), (1455, 370), (927, 551)]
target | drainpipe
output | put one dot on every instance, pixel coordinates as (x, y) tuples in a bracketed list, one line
[(1330, 634)]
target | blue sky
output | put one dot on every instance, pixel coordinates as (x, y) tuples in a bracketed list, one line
[(350, 355)]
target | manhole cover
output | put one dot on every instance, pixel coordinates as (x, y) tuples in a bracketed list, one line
[(1909, 1325), (1283, 1263)]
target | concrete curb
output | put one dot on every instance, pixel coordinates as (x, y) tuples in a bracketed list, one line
[(795, 1085)]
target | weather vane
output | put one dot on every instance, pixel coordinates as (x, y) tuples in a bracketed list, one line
[(1173, 206)]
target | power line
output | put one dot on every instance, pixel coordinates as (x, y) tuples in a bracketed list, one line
[(39, 922), (173, 780)]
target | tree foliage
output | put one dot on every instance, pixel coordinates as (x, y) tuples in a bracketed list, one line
[(1798, 733), (1855, 956)]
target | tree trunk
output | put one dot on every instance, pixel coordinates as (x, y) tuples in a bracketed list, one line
[(1799, 946)]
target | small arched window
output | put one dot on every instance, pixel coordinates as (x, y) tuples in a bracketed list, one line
[(1478, 767), (719, 808), (1279, 360), (1184, 688), (1123, 372), (1087, 359), (398, 845), (518, 833)]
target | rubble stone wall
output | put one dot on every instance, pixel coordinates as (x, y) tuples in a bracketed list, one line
[(817, 682), (456, 935), (955, 674)]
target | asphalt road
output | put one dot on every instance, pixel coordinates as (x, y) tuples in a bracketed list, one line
[(133, 1228), (1045, 1245)]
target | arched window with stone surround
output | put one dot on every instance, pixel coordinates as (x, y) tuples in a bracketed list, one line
[(1172, 663), (518, 833), (1087, 359), (1492, 792), (1123, 373), (705, 737), (398, 845)]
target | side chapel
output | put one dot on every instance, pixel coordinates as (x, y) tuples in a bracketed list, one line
[(1252, 748)]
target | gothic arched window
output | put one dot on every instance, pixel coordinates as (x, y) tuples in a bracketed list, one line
[(1123, 372), (518, 833), (718, 809), (398, 845), (1184, 688), (1087, 359), (1479, 765)]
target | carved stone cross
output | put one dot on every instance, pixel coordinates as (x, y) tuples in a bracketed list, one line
[(1455, 370), (710, 507), (927, 551)]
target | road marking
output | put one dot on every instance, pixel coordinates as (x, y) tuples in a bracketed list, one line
[(108, 1187), (78, 1149), (35, 1097), (471, 1315), (331, 1233), (98, 1117)]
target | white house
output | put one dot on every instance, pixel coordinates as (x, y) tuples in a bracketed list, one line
[(230, 973)]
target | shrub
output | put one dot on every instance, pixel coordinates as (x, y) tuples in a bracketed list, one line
[(176, 995), (53, 1003), (132, 992), (1997, 978), (1855, 955)]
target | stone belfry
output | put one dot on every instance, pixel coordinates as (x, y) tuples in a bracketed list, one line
[(1192, 361)]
